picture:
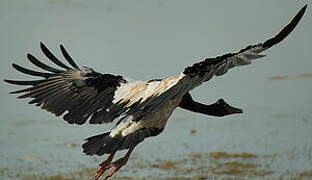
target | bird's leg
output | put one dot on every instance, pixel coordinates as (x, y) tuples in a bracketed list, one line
[(103, 166), (119, 163)]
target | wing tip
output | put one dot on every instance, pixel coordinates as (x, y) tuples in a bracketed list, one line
[(6, 80), (42, 44), (9, 81), (301, 12), (14, 65), (286, 30), (68, 57), (305, 7), (29, 56)]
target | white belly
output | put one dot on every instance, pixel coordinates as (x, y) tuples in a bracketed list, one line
[(156, 119)]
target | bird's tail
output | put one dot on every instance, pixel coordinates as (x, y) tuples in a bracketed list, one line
[(100, 144), (105, 144)]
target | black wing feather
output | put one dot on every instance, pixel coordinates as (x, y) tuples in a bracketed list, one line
[(43, 66), (48, 53), (24, 83), (68, 57), (286, 31), (31, 72), (82, 93)]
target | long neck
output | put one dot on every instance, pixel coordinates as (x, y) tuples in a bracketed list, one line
[(191, 105)]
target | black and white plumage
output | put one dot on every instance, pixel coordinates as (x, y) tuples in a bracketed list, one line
[(141, 108)]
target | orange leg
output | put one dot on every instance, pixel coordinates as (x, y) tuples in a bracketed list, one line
[(103, 167), (115, 166)]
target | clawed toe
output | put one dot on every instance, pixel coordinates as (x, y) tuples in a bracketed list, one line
[(114, 169), (100, 171), (112, 166), (105, 165)]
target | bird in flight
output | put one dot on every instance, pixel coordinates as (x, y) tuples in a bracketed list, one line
[(140, 109)]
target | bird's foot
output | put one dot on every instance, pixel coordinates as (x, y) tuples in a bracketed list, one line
[(103, 167), (100, 171), (115, 166)]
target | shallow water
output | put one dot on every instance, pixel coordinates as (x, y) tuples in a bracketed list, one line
[(270, 140), (192, 145)]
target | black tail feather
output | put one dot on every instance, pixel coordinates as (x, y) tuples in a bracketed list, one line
[(105, 144), (95, 143)]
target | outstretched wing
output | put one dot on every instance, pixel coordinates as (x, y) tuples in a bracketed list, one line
[(218, 66), (79, 93), (82, 94), (203, 71)]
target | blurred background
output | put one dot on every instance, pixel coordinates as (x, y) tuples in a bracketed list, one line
[(145, 39)]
